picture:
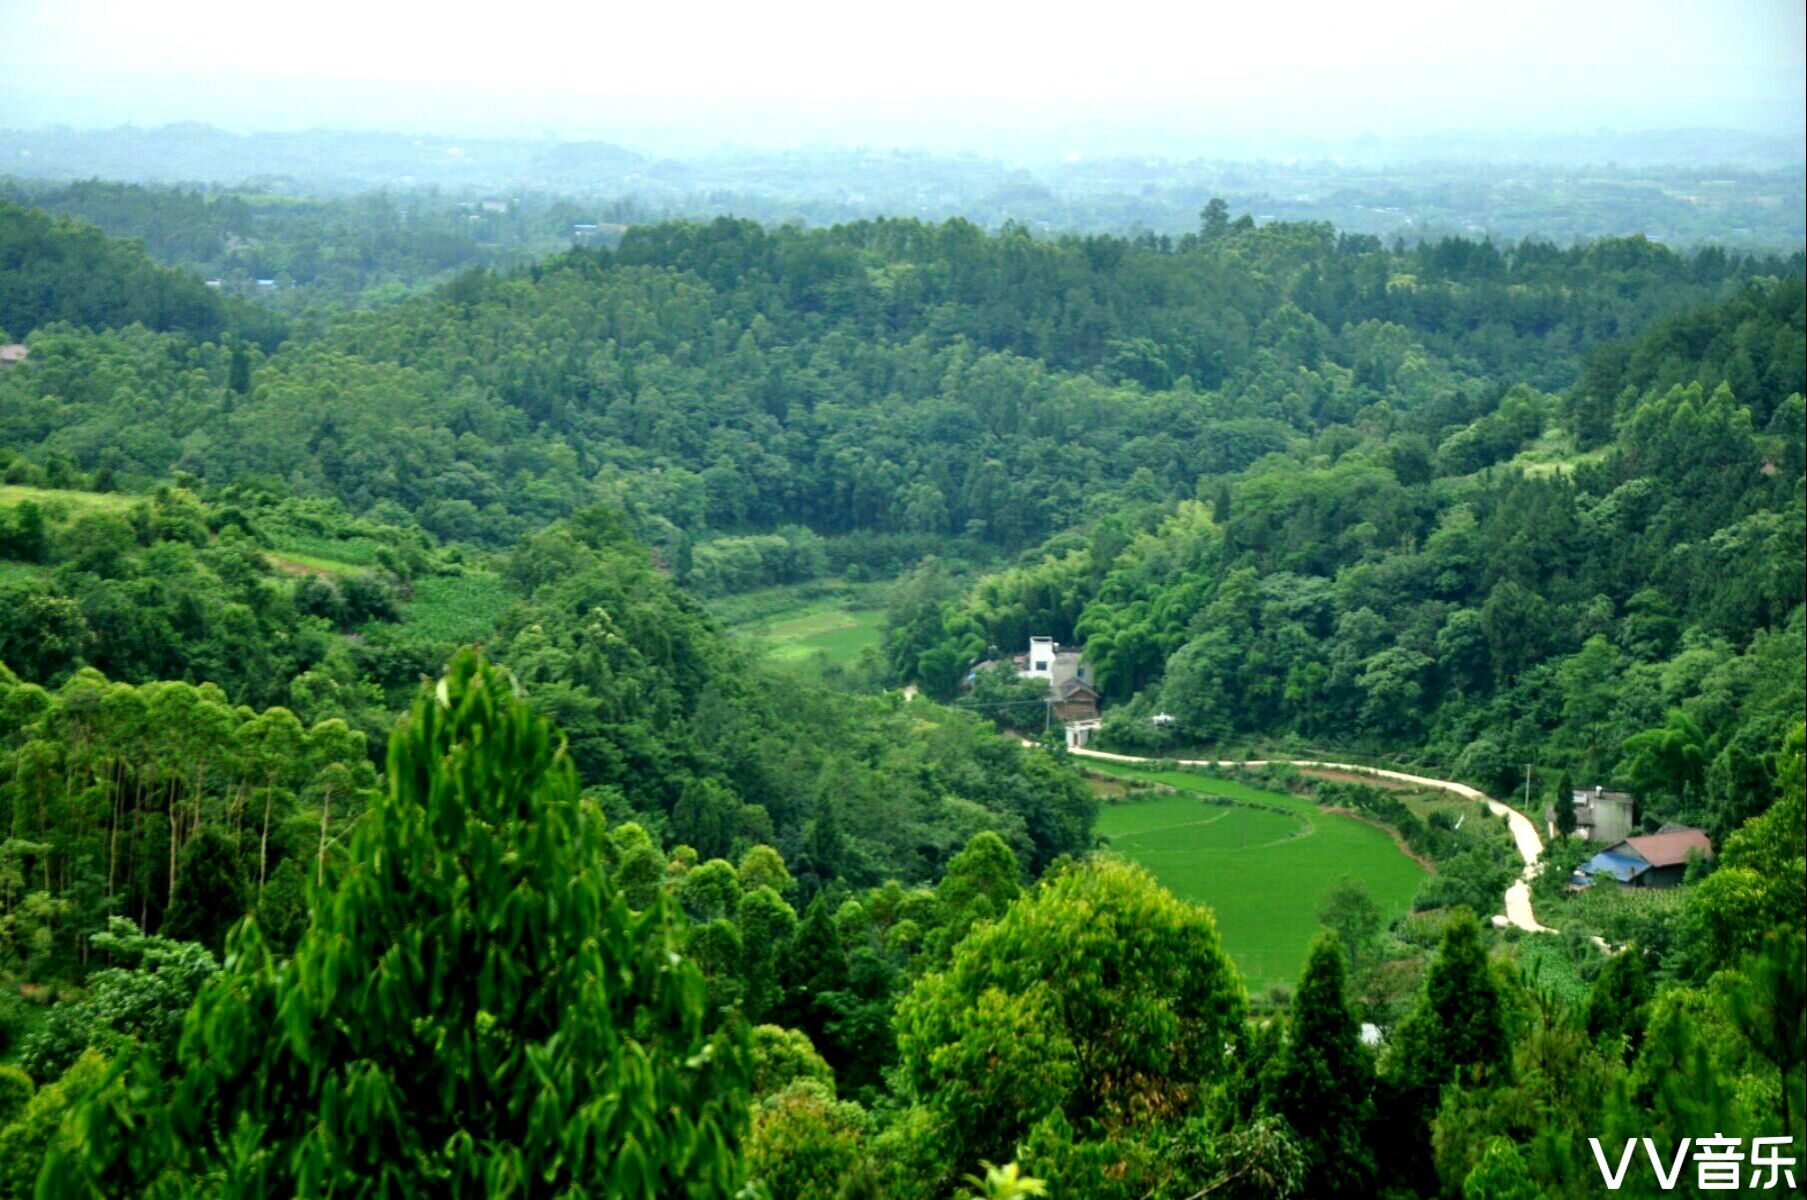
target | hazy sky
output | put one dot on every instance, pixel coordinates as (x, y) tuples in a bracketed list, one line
[(931, 72)]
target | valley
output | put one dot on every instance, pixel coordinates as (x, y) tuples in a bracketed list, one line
[(604, 716)]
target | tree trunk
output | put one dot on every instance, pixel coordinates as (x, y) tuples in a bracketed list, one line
[(116, 812), (263, 850), (326, 808), (175, 838), (131, 856), (199, 794)]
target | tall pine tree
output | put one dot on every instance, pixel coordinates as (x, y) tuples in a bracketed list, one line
[(1323, 1080), (473, 1010), (1456, 1032)]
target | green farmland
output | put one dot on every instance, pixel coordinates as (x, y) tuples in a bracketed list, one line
[(809, 626), (839, 633), (458, 608), (56, 500), (1263, 872)]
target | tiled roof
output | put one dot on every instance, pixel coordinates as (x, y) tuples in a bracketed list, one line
[(1672, 848)]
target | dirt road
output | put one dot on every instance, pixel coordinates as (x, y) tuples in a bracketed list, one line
[(1524, 832)]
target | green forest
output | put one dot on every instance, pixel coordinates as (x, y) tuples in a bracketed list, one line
[(407, 786)]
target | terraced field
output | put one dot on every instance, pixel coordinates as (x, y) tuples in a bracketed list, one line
[(1263, 863)]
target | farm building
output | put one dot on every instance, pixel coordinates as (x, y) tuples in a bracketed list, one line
[(1072, 695), (1074, 699), (1602, 816), (1656, 860), (1069, 676)]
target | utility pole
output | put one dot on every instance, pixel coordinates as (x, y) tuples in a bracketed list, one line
[(1527, 788)]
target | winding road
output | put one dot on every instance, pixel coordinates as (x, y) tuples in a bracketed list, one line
[(1524, 833)]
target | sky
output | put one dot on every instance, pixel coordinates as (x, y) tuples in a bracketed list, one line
[(1124, 74)]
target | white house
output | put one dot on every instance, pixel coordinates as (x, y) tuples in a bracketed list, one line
[(1039, 663)]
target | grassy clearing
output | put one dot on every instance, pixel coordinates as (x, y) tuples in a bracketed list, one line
[(839, 633), (808, 626), (787, 600), (1108, 789), (309, 564), (348, 553), (55, 502), (1263, 870), (1553, 453), (457, 608)]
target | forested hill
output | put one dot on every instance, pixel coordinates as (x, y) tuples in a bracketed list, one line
[(1423, 479), (1630, 613), (56, 270), (890, 378), (158, 659)]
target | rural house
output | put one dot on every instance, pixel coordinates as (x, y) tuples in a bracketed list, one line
[(1657, 860), (1602, 816), (1075, 699), (1069, 676)]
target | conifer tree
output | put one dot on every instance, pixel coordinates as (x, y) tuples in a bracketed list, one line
[(1615, 1007), (814, 968), (238, 374), (1459, 1023), (1323, 1079), (1565, 805), (823, 848), (1456, 1032), (473, 1010), (209, 893)]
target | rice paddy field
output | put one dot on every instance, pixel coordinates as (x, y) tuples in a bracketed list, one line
[(1261, 861)]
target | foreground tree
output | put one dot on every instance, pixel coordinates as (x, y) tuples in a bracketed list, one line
[(1500, 1175), (1322, 1081), (1099, 999), (1457, 1033), (474, 1009)]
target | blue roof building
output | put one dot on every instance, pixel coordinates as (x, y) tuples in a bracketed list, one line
[(1655, 860)]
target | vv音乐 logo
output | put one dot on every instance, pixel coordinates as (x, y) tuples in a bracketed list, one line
[(1719, 1163)]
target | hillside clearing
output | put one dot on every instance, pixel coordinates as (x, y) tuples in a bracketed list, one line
[(56, 500), (805, 629)]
